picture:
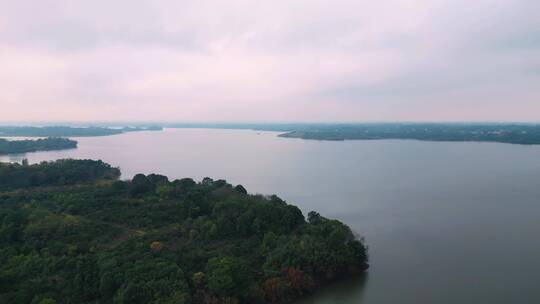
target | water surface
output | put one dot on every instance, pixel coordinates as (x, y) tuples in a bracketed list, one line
[(445, 222)]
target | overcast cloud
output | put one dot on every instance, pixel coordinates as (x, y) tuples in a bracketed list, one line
[(161, 60)]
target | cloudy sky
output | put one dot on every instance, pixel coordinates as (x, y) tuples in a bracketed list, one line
[(235, 60)]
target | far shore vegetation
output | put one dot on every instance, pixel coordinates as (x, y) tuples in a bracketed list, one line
[(29, 145)]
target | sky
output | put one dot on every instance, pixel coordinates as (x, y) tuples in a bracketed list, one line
[(269, 61)]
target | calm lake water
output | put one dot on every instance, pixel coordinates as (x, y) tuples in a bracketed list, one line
[(445, 222)]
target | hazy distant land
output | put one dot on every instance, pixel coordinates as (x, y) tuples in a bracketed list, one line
[(67, 131), (503, 133), (512, 133)]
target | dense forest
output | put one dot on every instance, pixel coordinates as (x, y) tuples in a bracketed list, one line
[(71, 232), (67, 131), (45, 144), (62, 172)]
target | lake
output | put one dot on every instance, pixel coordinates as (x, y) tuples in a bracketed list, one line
[(445, 222)]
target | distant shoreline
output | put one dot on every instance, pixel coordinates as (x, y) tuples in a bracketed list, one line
[(68, 131), (509, 133), (341, 137)]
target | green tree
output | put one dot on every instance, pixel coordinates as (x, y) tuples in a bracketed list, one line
[(227, 276)]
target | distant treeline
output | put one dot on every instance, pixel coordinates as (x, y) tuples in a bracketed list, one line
[(526, 134), (151, 240), (46, 144), (66, 131), (514, 133)]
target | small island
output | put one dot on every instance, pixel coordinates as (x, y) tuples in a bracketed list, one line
[(45, 144), (72, 232)]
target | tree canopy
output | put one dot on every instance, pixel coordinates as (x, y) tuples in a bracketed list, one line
[(58, 173), (94, 238)]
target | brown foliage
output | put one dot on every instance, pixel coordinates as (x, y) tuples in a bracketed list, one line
[(298, 280), (274, 290), (156, 246)]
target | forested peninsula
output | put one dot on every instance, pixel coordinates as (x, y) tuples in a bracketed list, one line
[(72, 232), (524, 134), (45, 144)]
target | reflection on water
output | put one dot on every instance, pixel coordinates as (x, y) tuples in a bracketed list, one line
[(344, 291), (445, 223)]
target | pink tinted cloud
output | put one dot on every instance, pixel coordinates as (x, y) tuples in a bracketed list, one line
[(270, 61)]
